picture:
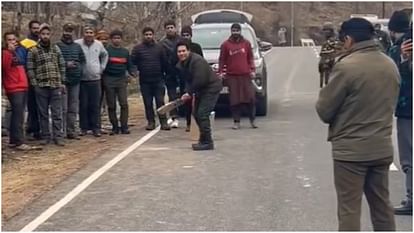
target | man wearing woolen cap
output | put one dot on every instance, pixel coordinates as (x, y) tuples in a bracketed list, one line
[(237, 56), (358, 104), (74, 60), (399, 26)]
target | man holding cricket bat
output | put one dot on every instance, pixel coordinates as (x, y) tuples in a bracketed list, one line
[(202, 83)]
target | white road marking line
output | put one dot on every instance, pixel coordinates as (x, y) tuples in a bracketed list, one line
[(88, 181), (393, 167), (289, 81)]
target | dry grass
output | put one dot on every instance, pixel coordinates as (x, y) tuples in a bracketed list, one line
[(27, 175)]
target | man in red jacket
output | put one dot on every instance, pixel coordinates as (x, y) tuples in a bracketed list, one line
[(16, 85), (236, 57)]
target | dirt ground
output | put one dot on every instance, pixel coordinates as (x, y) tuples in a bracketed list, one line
[(27, 175)]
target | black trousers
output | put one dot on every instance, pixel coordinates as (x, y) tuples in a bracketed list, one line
[(89, 105), (33, 122), (18, 105), (204, 105), (352, 180), (149, 92), (113, 93)]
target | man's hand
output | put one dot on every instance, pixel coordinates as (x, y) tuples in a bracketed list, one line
[(186, 97), (11, 47), (221, 76), (63, 88), (407, 49), (252, 75), (71, 64)]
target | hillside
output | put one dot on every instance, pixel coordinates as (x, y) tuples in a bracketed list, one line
[(133, 16)]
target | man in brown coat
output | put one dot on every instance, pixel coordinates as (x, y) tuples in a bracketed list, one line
[(358, 104)]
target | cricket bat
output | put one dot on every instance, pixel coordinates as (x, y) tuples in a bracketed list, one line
[(168, 107)]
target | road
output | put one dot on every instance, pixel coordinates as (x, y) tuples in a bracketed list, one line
[(275, 178)]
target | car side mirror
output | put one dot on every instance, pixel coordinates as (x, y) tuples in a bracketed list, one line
[(265, 46)]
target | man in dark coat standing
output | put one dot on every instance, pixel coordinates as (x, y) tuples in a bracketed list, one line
[(399, 27), (237, 56), (151, 62), (202, 83), (187, 34)]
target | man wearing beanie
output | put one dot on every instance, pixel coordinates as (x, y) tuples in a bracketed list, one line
[(358, 105), (74, 59), (399, 27), (46, 71), (237, 56)]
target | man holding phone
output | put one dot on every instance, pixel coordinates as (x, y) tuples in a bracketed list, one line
[(74, 59), (401, 53)]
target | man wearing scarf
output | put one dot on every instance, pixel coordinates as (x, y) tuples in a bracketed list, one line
[(74, 59)]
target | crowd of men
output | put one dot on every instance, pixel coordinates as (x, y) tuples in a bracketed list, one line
[(370, 80), (366, 87), (74, 79)]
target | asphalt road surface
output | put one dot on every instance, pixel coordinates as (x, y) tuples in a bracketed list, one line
[(275, 178)]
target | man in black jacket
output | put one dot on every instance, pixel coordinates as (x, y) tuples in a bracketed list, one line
[(187, 34), (173, 79), (151, 62), (202, 83)]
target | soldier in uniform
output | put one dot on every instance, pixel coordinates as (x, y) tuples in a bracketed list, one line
[(330, 49)]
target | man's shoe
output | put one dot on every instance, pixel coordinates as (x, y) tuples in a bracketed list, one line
[(203, 146), (187, 129), (59, 142), (165, 126), (150, 126), (97, 134), (83, 133), (44, 142), (253, 125), (125, 131), (115, 130), (406, 208), (236, 125), (73, 137), (174, 123)]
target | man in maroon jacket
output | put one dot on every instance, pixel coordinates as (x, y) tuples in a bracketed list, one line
[(236, 57)]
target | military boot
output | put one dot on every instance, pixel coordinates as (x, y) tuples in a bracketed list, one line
[(164, 124), (205, 143)]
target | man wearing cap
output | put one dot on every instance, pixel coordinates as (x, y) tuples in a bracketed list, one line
[(399, 26), (358, 103), (74, 59), (187, 34), (46, 70), (237, 56), (90, 85)]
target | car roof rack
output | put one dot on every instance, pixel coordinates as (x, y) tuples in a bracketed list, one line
[(222, 16)]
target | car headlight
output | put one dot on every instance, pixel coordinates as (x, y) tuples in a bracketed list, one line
[(258, 63)]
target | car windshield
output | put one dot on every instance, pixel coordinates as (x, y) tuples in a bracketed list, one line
[(212, 38)]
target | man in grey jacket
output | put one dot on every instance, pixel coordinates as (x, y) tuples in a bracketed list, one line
[(90, 85), (358, 104)]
